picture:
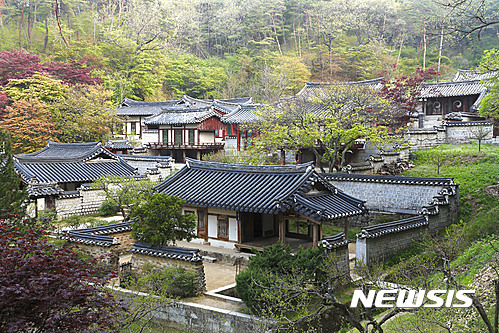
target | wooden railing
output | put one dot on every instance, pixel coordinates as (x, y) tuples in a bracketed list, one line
[(173, 145)]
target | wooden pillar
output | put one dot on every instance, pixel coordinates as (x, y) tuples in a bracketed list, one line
[(283, 157), (199, 155), (239, 229), (282, 228), (183, 155), (315, 234), (205, 218), (238, 139), (345, 223), (299, 157)]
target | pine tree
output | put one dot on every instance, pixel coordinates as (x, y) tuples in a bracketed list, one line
[(12, 197)]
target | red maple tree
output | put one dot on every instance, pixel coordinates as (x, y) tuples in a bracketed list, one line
[(21, 64), (46, 288)]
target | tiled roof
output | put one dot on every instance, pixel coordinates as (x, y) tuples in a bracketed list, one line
[(170, 252), (95, 235), (466, 75), (182, 116), (242, 114), (71, 162), (451, 89), (311, 89), (130, 107), (119, 144), (468, 123), (390, 179), (89, 239), (391, 227), (107, 229), (44, 189), (259, 189), (333, 242), (64, 152)]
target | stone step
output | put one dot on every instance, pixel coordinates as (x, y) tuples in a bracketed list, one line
[(209, 259)]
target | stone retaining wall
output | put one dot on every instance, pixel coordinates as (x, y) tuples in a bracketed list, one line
[(195, 317)]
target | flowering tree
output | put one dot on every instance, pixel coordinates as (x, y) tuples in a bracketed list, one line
[(46, 288), (29, 123)]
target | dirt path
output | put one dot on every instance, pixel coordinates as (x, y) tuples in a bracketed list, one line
[(218, 275)]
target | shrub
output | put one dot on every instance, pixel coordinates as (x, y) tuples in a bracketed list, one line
[(168, 281), (108, 208)]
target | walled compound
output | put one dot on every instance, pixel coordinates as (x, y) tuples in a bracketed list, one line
[(113, 244), (59, 176), (426, 204)]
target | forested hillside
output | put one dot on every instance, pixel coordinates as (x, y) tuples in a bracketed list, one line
[(156, 49)]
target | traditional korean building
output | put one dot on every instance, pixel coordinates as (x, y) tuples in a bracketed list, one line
[(58, 176), (187, 127), (243, 206)]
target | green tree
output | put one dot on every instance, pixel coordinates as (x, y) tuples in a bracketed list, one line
[(340, 116), (159, 220), (85, 114), (12, 197), (124, 192)]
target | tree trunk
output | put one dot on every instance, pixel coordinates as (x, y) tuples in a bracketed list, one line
[(21, 26), (440, 52), (400, 51), (1, 10), (46, 39), (275, 32), (56, 9), (424, 46)]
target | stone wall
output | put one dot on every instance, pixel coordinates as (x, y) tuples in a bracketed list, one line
[(389, 197), (109, 256), (448, 132), (202, 318), (85, 201), (377, 249), (464, 134)]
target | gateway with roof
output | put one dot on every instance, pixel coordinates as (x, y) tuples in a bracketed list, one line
[(244, 206)]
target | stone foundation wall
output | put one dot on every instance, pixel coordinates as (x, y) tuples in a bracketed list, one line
[(195, 317)]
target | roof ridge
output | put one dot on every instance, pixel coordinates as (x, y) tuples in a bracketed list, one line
[(193, 163)]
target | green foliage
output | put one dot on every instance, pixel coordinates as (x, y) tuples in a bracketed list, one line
[(108, 208), (272, 267), (384, 219), (124, 192), (159, 220), (166, 281), (12, 196), (78, 221)]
